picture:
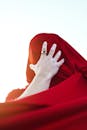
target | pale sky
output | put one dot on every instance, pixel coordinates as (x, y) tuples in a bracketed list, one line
[(20, 20)]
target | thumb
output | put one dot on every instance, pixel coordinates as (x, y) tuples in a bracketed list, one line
[(32, 67)]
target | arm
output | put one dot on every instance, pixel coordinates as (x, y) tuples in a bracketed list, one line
[(37, 85), (46, 67)]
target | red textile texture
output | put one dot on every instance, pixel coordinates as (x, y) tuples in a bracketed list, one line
[(63, 106)]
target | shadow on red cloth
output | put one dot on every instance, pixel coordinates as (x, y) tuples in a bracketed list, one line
[(63, 106)]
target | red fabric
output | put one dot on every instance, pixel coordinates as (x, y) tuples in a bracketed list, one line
[(73, 60), (62, 107)]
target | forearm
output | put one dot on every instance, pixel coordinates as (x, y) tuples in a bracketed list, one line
[(37, 85), (46, 67)]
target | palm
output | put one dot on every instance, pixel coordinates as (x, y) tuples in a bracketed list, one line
[(47, 64)]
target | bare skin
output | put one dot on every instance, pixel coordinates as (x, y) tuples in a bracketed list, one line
[(46, 67)]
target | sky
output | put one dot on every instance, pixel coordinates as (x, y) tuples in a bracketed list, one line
[(20, 20)]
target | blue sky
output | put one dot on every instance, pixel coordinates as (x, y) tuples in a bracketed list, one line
[(20, 20)]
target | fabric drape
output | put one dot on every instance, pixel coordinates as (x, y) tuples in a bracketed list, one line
[(63, 106)]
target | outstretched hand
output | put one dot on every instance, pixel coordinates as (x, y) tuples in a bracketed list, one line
[(48, 65)]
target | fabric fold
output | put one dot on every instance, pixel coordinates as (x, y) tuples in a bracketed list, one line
[(63, 106)]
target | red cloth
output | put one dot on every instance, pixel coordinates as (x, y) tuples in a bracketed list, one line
[(62, 107)]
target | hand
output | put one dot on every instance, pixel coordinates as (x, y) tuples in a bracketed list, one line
[(47, 65)]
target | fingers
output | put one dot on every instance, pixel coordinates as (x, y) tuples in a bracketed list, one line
[(52, 50), (60, 62), (44, 48), (57, 56)]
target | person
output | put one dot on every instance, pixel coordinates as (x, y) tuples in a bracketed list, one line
[(70, 66), (46, 67), (62, 106)]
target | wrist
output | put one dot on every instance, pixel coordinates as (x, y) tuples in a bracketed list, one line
[(43, 76), (40, 82)]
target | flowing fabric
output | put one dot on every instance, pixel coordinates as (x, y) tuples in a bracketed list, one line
[(63, 106)]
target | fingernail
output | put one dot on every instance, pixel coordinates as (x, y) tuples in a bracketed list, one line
[(60, 52), (45, 42), (63, 60), (54, 45)]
